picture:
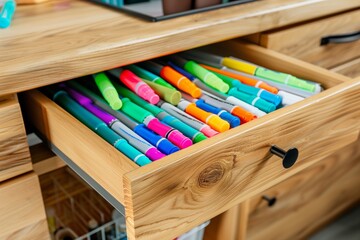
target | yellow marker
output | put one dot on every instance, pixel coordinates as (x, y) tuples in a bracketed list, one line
[(239, 65)]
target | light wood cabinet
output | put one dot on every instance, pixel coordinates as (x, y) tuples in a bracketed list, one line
[(222, 175), (22, 209), (14, 150)]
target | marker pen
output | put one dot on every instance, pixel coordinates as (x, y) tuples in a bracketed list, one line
[(134, 139), (6, 13), (188, 119), (183, 127), (272, 75), (145, 74), (225, 115), (289, 98), (168, 94), (134, 83), (253, 100), (242, 110), (279, 86), (95, 124), (173, 77), (214, 121), (143, 116), (107, 90), (244, 79), (214, 62), (161, 143), (200, 72)]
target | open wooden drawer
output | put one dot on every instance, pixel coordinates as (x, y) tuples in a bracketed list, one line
[(168, 197)]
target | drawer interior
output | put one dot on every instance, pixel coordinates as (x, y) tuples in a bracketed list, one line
[(167, 196)]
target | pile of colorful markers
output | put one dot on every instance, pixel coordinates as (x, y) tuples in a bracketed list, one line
[(155, 108)]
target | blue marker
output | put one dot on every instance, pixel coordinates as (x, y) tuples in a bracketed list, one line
[(6, 13), (225, 115)]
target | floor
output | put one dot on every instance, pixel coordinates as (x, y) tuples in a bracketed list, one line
[(347, 227)]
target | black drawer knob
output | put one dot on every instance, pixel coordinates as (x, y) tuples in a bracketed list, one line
[(289, 157), (271, 200)]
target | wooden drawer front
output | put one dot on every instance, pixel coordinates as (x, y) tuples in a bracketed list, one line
[(167, 197), (303, 41), (350, 69), (308, 200), (22, 209), (14, 150)]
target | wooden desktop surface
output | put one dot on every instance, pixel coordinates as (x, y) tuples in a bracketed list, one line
[(64, 39)]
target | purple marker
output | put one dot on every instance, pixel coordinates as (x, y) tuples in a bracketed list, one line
[(135, 140)]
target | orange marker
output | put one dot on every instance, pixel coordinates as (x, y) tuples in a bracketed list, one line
[(214, 121), (243, 79), (180, 81)]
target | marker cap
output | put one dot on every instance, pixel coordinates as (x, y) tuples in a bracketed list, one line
[(108, 90), (134, 111), (6, 13), (169, 95), (234, 121), (148, 94), (244, 115), (208, 131), (289, 98), (199, 137), (132, 152), (179, 139), (218, 124), (164, 145), (154, 154)]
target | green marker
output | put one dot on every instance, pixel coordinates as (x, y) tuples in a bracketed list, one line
[(169, 95), (203, 74), (145, 74), (188, 131), (107, 90), (287, 79), (271, 75)]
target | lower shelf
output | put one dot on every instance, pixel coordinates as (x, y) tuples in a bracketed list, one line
[(74, 209)]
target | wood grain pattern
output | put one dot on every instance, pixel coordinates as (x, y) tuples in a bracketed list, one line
[(303, 41), (22, 209), (63, 39), (233, 166), (44, 160), (244, 209), (14, 150), (309, 199), (224, 226), (95, 156), (350, 69)]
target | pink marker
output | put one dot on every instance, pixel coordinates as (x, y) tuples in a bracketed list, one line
[(135, 84), (170, 133)]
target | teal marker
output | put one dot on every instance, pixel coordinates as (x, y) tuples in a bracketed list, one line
[(107, 90), (98, 126), (188, 131), (253, 100), (261, 93), (145, 74), (6, 13)]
